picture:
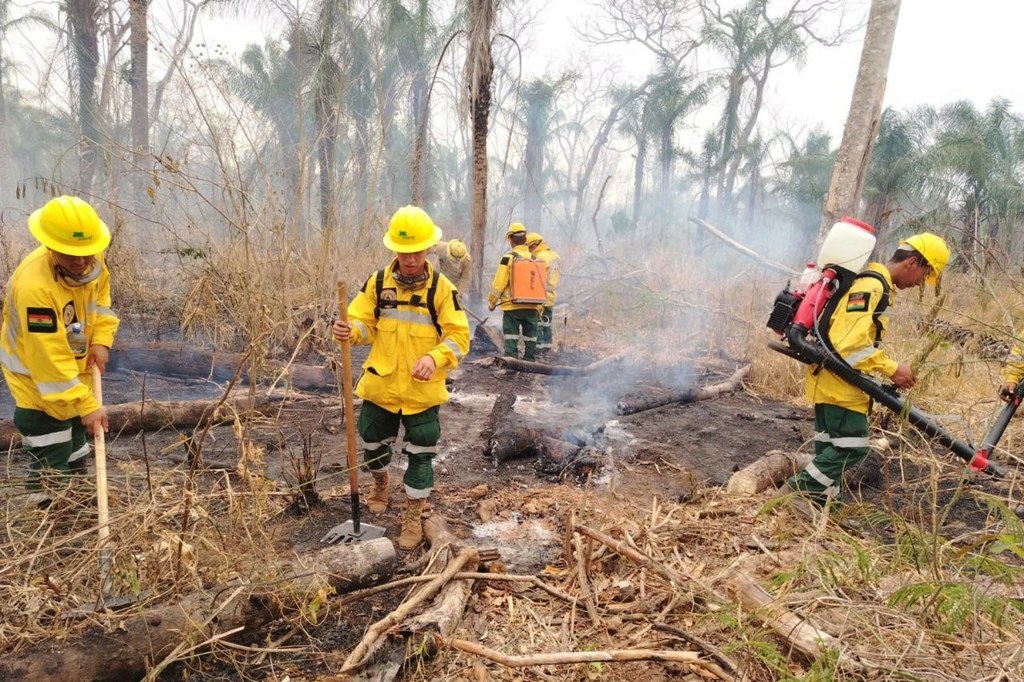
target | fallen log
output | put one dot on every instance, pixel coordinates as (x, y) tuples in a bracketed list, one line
[(690, 395), (153, 415), (184, 360), (544, 368), (770, 471), (799, 632), (513, 442), (383, 650), (137, 640)]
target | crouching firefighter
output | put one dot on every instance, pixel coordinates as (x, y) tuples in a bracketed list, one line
[(851, 327), (411, 315)]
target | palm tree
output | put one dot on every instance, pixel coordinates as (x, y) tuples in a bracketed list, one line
[(539, 97), (671, 98), (896, 170), (977, 157), (804, 180), (479, 71)]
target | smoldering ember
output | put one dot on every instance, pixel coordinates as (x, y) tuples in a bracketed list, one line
[(606, 340)]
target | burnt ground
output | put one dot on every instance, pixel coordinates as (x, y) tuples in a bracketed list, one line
[(517, 506)]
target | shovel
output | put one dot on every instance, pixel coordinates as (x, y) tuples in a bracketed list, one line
[(106, 600), (352, 530)]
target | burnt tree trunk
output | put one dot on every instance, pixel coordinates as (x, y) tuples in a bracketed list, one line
[(141, 640), (690, 395)]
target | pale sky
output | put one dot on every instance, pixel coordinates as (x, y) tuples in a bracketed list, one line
[(944, 50)]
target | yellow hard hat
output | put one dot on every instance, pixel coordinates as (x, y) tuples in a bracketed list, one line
[(70, 226), (934, 250), (533, 239), (515, 228), (411, 230), (456, 249)]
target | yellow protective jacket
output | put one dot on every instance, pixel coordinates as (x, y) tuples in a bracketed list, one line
[(554, 262), (1013, 366), (853, 334), (457, 270), (40, 368), (501, 287), (401, 331)]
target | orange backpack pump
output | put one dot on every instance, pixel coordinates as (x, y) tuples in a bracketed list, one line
[(528, 280)]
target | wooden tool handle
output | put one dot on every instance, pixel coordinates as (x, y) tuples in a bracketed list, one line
[(102, 510), (346, 390)]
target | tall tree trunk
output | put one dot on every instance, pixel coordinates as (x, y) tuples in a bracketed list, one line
[(479, 72), (84, 16), (533, 160), (139, 78), (6, 162), (862, 121), (421, 112), (638, 177)]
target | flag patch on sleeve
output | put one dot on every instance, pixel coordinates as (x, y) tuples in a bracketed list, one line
[(858, 302), (42, 320)]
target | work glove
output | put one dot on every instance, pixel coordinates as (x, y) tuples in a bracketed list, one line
[(1006, 393)]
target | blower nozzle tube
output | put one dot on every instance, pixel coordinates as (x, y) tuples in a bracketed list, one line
[(812, 354)]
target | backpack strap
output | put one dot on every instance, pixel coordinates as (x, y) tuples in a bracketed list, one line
[(415, 302), (883, 303), (833, 303)]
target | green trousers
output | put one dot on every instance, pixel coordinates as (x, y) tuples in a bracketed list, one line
[(57, 448), (379, 428), (840, 443), (520, 325), (544, 336)]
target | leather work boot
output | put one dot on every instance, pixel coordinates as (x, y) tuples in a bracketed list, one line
[(412, 524), (378, 499)]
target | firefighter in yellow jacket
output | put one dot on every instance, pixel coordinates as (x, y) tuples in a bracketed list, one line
[(518, 320), (855, 331), (418, 331), (541, 251), (1013, 372), (454, 263), (57, 324)]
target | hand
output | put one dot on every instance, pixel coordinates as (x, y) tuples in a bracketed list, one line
[(490, 306), (341, 331), (904, 376), (424, 368), (96, 420), (1006, 392), (98, 355)]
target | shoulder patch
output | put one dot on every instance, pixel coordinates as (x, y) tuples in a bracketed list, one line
[(858, 302), (505, 259), (42, 320)]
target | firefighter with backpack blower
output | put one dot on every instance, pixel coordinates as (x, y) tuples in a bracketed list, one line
[(851, 326), (519, 286), (1013, 372)]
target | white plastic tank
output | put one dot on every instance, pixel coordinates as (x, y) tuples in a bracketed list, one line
[(848, 244)]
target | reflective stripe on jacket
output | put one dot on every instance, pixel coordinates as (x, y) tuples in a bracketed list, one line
[(853, 335), (41, 370), (1013, 365), (554, 262), (501, 287), (402, 335)]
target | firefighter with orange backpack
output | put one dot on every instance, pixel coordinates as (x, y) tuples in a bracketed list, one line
[(519, 286), (540, 250)]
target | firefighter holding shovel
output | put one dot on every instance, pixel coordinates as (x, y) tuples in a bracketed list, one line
[(412, 317), (854, 333), (58, 325)]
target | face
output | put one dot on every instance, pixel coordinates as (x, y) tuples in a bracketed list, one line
[(412, 264), (912, 274), (76, 266)]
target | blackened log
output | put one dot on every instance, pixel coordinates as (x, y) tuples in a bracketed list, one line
[(544, 368), (142, 639), (733, 383)]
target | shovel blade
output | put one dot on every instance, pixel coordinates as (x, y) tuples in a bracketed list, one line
[(345, 533)]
